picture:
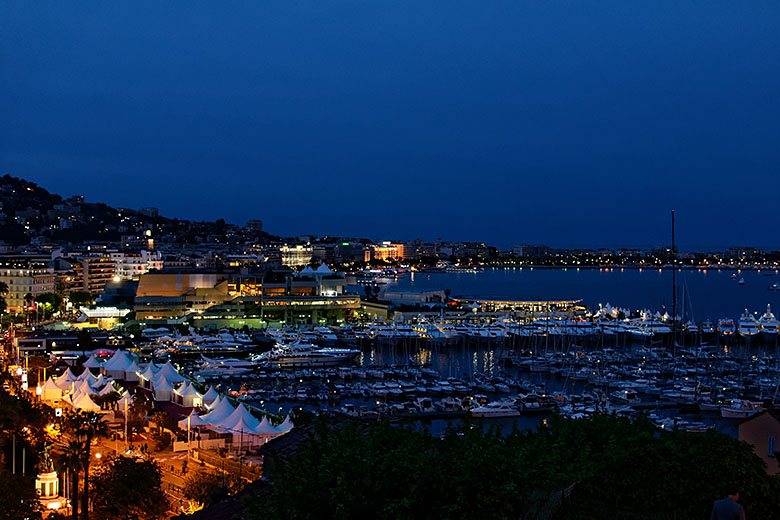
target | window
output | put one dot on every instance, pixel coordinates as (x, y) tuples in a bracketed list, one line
[(771, 445)]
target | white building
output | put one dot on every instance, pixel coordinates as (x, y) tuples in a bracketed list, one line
[(25, 274), (130, 265)]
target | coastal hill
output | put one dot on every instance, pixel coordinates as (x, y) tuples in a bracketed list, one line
[(29, 212)]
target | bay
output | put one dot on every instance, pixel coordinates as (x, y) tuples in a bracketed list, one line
[(707, 293)]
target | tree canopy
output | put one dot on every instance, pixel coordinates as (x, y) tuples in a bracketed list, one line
[(604, 467), (129, 489)]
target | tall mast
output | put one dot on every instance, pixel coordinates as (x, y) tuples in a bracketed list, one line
[(674, 286)]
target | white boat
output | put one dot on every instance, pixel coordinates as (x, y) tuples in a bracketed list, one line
[(626, 395), (726, 326), (303, 355), (768, 323), (496, 409), (748, 326), (740, 409)]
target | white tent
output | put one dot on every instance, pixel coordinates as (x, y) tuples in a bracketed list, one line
[(323, 270), (84, 388), (195, 420), (51, 391), (171, 374), (118, 365), (148, 374), (163, 391), (219, 413), (214, 403), (244, 435), (188, 396), (126, 399), (85, 402), (286, 425), (131, 374), (240, 419), (99, 381), (86, 376), (266, 428), (210, 396), (93, 362), (108, 389), (65, 380)]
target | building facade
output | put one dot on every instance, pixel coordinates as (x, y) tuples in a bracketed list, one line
[(25, 274)]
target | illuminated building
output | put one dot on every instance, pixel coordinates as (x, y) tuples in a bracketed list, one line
[(163, 296), (25, 274), (387, 251), (97, 271), (296, 255), (130, 265)]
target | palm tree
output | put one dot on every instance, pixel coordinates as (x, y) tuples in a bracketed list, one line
[(71, 460), (86, 426), (28, 300), (3, 294)]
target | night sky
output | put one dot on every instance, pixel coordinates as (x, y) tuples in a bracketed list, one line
[(566, 123)]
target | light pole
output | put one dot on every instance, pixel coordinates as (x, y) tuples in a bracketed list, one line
[(125, 424)]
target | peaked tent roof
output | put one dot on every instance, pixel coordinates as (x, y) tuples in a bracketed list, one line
[(244, 426), (187, 390), (108, 389), (171, 374), (84, 388), (286, 425), (85, 402), (215, 402), (149, 372), (240, 417), (161, 384), (119, 361), (210, 395), (93, 362), (323, 269), (195, 420), (265, 427), (219, 413), (86, 375), (66, 379), (132, 368), (126, 397), (51, 385)]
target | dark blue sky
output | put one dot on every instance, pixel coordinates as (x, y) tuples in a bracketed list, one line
[(558, 122)]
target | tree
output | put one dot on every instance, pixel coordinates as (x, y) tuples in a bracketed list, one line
[(79, 298), (28, 301), (206, 487), (603, 467), (18, 498), (129, 489), (3, 294), (86, 426), (70, 459), (51, 301)]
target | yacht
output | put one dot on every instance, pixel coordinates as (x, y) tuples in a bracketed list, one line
[(748, 326), (726, 326), (769, 324), (496, 409), (707, 327), (300, 355), (626, 396), (740, 409)]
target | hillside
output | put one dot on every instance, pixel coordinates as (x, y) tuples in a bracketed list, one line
[(28, 212)]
